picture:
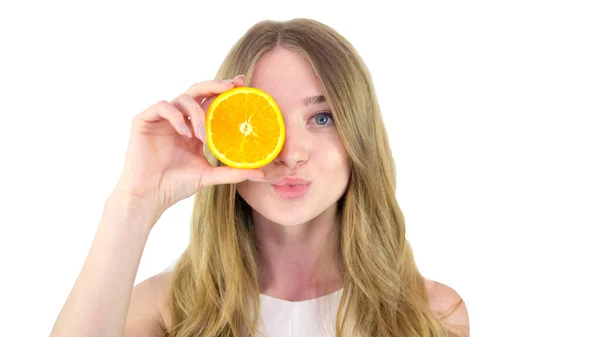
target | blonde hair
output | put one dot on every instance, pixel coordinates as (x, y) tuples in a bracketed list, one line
[(215, 287)]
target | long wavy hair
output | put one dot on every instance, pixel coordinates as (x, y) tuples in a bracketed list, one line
[(215, 287)]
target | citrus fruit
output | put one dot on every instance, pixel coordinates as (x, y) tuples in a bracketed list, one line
[(244, 128)]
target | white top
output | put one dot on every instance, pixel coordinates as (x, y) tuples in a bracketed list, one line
[(309, 318)]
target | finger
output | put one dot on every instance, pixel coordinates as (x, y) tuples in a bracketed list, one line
[(238, 81), (165, 110), (201, 90), (186, 104), (228, 175), (207, 102)]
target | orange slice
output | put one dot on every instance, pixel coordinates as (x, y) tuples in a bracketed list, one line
[(244, 128)]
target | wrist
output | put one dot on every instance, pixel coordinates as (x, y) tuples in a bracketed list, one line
[(132, 211)]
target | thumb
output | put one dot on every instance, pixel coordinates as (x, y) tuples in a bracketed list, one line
[(228, 175)]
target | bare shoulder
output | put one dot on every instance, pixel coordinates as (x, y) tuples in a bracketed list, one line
[(148, 313), (163, 287), (449, 306)]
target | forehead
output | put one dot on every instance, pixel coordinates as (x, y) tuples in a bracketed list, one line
[(287, 76)]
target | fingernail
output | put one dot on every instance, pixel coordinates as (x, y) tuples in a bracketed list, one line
[(202, 133), (258, 180), (227, 80), (184, 128)]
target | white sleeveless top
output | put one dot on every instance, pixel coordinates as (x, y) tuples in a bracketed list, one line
[(309, 318)]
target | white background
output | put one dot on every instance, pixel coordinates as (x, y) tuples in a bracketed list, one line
[(492, 109)]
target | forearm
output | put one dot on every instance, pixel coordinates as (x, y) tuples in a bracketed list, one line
[(98, 302)]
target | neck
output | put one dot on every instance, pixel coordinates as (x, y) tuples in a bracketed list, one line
[(299, 262)]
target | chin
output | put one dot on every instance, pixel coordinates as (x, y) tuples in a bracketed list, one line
[(284, 213), (283, 219)]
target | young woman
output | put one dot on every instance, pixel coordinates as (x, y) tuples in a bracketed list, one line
[(330, 260)]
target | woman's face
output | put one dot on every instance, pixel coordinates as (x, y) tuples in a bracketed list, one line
[(312, 150)]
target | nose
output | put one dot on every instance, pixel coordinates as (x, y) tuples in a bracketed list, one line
[(295, 148)]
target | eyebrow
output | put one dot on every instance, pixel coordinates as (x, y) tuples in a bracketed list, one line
[(314, 100)]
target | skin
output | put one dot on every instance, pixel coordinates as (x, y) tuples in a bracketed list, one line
[(296, 237), (303, 231)]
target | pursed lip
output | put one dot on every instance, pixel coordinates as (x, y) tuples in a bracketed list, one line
[(290, 181)]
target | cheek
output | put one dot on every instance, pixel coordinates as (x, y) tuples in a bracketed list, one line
[(245, 190), (332, 158), (253, 192)]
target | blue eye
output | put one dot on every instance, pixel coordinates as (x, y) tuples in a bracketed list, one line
[(321, 118)]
